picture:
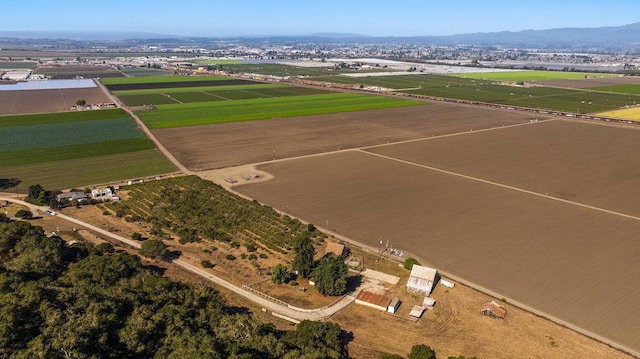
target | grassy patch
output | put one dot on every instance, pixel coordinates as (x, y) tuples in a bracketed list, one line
[(148, 99), (89, 170), (516, 76), (168, 116)]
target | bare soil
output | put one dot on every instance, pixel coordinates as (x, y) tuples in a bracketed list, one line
[(232, 144), (591, 82), (42, 101), (570, 262)]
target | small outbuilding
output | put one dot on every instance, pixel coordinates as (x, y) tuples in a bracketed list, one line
[(393, 305), (416, 311), (422, 279), (428, 303), (493, 310), (373, 300), (71, 196)]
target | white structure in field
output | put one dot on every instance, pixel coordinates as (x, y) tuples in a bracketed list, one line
[(447, 283), (422, 279)]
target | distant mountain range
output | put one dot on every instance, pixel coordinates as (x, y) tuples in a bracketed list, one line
[(609, 37)]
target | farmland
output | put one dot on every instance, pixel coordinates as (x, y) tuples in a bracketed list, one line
[(632, 113), (43, 101), (73, 71), (168, 116), (633, 89), (516, 76), (520, 245), (88, 139), (478, 90), (222, 145), (211, 93), (159, 79)]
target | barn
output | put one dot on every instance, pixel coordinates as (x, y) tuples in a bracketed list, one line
[(422, 279)]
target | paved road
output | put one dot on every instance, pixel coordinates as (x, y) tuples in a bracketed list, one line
[(288, 312)]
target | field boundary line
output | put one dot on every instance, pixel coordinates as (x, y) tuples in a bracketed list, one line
[(365, 148), (502, 185)]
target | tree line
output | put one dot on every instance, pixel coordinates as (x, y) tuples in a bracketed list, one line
[(81, 301)]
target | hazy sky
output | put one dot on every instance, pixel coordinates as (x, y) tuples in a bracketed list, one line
[(299, 17)]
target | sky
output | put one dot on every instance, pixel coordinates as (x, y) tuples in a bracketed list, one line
[(302, 17)]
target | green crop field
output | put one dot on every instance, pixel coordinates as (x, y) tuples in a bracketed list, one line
[(516, 76), (211, 93), (143, 72), (80, 172), (60, 117), (169, 116), (146, 99), (220, 62), (156, 79), (555, 99), (88, 139), (17, 138), (172, 90), (633, 89)]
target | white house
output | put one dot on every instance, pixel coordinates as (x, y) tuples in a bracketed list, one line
[(422, 279)]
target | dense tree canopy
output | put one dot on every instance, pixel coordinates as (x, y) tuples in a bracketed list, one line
[(331, 276), (303, 260), (80, 301)]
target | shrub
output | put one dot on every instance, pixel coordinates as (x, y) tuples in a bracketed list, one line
[(280, 274), (252, 256), (421, 351), (409, 262), (230, 257), (294, 283), (136, 236), (251, 247), (234, 244), (24, 214), (154, 249), (106, 213), (206, 264), (262, 255)]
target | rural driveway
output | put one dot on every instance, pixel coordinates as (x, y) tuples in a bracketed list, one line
[(284, 311)]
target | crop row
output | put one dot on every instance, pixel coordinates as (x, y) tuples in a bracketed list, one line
[(58, 153), (67, 133), (61, 117), (79, 172), (168, 116), (530, 75), (193, 205)]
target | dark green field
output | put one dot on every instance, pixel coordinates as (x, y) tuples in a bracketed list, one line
[(556, 99), (104, 145)]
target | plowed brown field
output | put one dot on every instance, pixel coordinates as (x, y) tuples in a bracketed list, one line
[(41, 101), (571, 262), (222, 145)]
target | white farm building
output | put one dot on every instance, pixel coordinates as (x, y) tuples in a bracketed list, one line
[(422, 279)]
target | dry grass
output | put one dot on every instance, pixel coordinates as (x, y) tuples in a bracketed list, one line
[(626, 114)]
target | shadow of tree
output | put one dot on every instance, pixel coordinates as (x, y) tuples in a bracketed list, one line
[(6, 183)]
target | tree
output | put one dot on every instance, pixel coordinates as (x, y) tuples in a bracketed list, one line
[(136, 236), (153, 248), (409, 262), (280, 274), (24, 214), (303, 260), (331, 276), (421, 351)]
